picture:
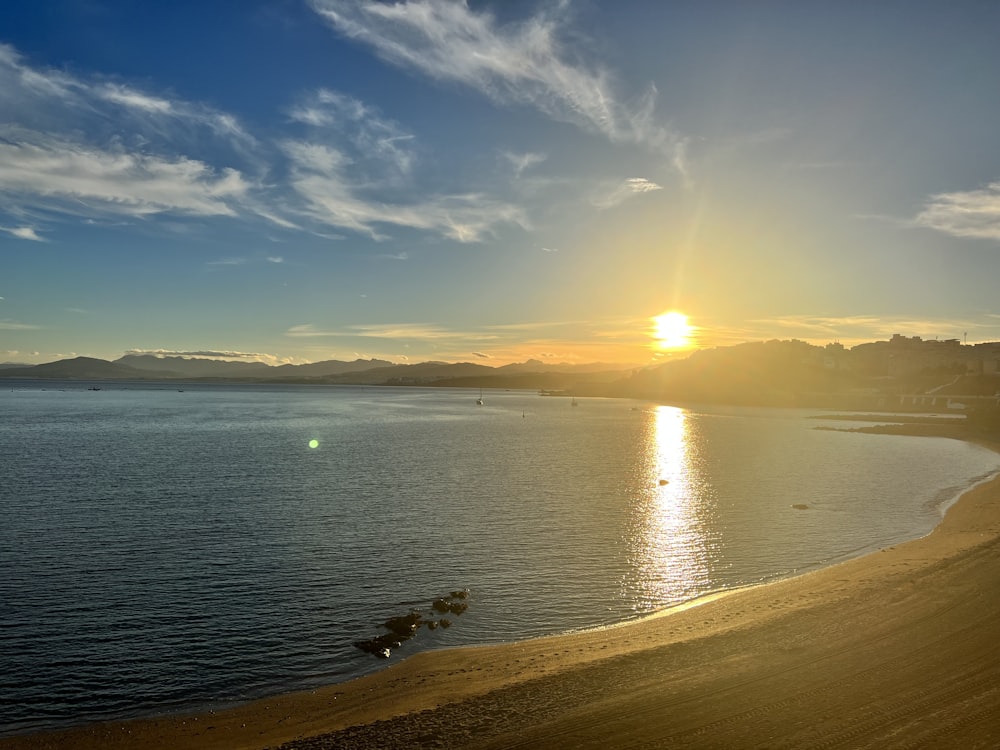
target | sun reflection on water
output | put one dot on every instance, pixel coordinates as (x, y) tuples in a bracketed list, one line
[(670, 547)]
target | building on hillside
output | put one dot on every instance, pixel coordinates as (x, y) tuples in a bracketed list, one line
[(986, 358)]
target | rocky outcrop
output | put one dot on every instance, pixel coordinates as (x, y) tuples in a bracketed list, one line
[(404, 627)]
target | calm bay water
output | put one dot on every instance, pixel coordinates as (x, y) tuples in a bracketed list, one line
[(164, 550)]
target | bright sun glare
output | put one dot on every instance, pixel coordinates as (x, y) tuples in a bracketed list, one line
[(671, 330)]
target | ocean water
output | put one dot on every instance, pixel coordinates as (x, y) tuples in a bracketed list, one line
[(180, 548)]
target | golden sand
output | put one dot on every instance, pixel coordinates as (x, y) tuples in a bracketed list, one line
[(897, 649)]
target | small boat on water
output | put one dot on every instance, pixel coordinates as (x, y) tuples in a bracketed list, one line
[(574, 403), (479, 401)]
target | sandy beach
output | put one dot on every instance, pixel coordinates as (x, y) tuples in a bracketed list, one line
[(897, 649)]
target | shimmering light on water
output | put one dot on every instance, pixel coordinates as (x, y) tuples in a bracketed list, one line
[(674, 538)]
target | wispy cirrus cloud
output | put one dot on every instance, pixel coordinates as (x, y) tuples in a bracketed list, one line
[(523, 161), (44, 99), (13, 325), (226, 262), (81, 146), (378, 141), (353, 168), (321, 176), (970, 213), (516, 63), (400, 331), (612, 194), (79, 178), (101, 150)]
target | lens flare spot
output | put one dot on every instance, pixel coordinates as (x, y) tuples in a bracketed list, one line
[(314, 443)]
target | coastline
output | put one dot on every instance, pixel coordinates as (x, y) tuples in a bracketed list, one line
[(894, 648)]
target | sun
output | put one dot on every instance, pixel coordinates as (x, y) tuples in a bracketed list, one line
[(672, 331)]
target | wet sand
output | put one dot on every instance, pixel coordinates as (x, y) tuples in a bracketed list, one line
[(897, 649)]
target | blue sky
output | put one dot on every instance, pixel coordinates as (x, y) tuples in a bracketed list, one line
[(298, 180)]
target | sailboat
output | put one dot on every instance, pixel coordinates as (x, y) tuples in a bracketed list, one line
[(479, 401), (574, 401)]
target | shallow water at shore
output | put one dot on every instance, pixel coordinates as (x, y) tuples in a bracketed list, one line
[(174, 550)]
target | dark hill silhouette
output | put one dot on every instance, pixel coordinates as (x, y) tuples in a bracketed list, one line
[(359, 372), (193, 367), (201, 367), (86, 368), (772, 373), (329, 367), (423, 373)]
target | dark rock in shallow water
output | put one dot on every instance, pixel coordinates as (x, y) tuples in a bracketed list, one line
[(800, 506), (380, 646), (405, 627), (447, 605)]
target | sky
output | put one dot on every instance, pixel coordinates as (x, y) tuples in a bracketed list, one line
[(491, 182)]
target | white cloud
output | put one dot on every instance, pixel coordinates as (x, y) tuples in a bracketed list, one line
[(13, 325), (376, 139), (421, 331), (318, 175), (517, 63), (47, 99), (353, 171), (20, 80), (308, 330), (397, 331), (77, 145), (130, 98), (275, 259), (23, 233), (972, 213), (36, 165), (521, 162), (224, 354), (105, 151), (608, 196)]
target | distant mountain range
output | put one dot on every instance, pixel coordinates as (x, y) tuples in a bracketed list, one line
[(773, 373), (530, 374), (196, 367)]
